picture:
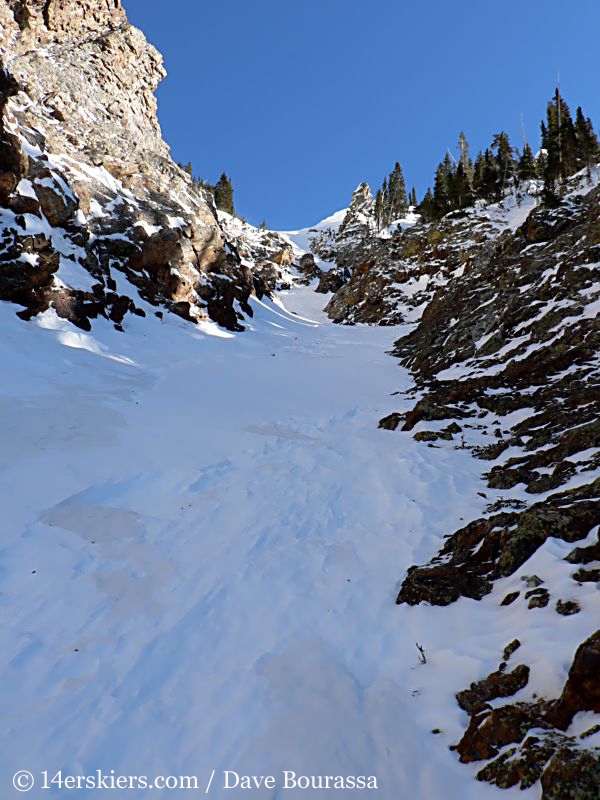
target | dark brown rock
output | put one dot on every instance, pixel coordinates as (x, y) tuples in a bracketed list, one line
[(572, 775), (582, 690), (490, 731), (584, 555), (13, 162), (523, 766), (332, 280), (538, 598), (587, 575), (391, 422), (488, 549), (567, 607), (498, 684), (510, 649)]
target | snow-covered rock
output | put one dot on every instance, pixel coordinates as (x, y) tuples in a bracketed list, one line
[(88, 187)]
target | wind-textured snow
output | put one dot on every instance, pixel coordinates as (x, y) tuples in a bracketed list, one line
[(203, 540)]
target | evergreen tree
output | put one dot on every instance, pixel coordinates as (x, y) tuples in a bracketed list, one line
[(568, 141), (224, 194), (465, 158), (505, 161), (559, 142), (441, 202), (413, 197), (385, 204), (426, 208), (397, 194), (540, 164), (587, 147), (490, 177), (460, 194), (550, 196), (379, 209), (447, 166), (526, 169), (478, 175)]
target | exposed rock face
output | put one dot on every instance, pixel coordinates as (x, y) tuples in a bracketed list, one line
[(541, 750), (517, 334), (505, 356), (495, 547), (333, 280), (336, 245), (95, 75), (394, 275), (572, 775), (322, 244), (266, 257), (308, 268), (357, 224), (582, 690), (498, 684), (95, 213), (13, 161)]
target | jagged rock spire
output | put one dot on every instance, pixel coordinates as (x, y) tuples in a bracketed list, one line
[(358, 222)]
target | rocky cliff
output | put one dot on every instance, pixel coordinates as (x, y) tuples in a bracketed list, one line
[(96, 218), (501, 305)]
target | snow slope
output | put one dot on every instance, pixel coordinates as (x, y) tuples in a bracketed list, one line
[(203, 540), (301, 239)]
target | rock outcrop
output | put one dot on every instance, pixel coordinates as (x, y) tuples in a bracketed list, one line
[(96, 218), (395, 274), (526, 742), (501, 305), (358, 224), (509, 351)]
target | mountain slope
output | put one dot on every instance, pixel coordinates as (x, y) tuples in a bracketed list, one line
[(205, 576), (97, 220), (504, 302), (206, 533)]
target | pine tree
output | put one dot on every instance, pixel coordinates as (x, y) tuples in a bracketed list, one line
[(587, 147), (540, 164), (526, 169), (465, 158), (559, 142), (426, 208), (552, 166), (568, 141), (478, 175), (224, 194), (505, 161), (385, 204), (441, 203), (550, 162), (491, 183), (379, 209), (413, 197), (459, 190), (550, 195), (397, 194)]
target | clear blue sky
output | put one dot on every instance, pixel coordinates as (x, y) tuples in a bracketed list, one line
[(300, 100)]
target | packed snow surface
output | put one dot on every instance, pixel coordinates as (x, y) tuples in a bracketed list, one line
[(203, 540), (300, 239)]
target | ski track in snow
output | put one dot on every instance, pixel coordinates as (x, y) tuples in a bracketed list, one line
[(203, 542)]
